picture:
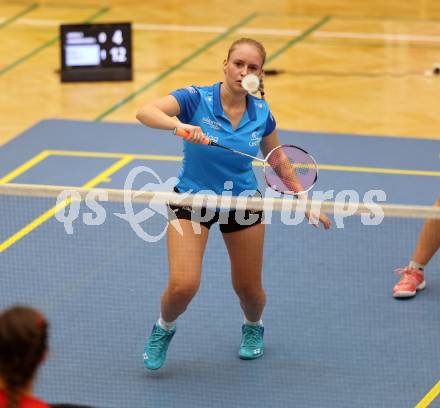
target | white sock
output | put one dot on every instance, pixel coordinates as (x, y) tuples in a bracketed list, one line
[(249, 323), (416, 265), (166, 325)]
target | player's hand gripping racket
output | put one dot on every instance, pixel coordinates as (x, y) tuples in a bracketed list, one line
[(287, 168)]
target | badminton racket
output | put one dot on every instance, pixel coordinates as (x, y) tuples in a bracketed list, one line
[(287, 169)]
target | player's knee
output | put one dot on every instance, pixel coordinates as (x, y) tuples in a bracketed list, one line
[(183, 292), (250, 293)]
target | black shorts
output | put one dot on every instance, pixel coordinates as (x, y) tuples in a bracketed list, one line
[(229, 221)]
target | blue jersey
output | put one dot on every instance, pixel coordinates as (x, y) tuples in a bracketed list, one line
[(208, 168)]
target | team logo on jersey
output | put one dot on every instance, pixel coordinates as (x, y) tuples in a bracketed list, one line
[(211, 137), (255, 139), (191, 89), (211, 123)]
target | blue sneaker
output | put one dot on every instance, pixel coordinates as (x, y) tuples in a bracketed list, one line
[(252, 345), (155, 350)]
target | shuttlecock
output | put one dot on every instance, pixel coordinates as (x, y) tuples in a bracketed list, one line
[(251, 83)]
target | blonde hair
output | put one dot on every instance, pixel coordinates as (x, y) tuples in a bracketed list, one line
[(248, 41)]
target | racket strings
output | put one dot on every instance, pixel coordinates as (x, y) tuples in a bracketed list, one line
[(291, 170), (289, 173)]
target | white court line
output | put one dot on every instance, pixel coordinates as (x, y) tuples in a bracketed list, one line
[(212, 29), (262, 31), (179, 28), (374, 36)]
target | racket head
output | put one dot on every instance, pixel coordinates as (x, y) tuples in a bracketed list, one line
[(290, 170)]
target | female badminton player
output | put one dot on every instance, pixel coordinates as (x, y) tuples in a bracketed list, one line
[(228, 114)]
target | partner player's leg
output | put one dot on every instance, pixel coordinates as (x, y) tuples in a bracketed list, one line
[(412, 277)]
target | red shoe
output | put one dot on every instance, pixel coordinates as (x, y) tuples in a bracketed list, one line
[(411, 280)]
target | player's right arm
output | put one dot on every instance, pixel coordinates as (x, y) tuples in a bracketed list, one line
[(162, 114)]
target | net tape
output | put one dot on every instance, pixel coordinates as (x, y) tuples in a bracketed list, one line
[(287, 203)]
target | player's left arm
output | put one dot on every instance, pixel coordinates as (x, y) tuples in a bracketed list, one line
[(268, 143)]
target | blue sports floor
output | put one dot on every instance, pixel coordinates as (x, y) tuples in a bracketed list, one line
[(334, 335)]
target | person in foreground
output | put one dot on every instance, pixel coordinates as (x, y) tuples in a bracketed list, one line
[(412, 277), (23, 346), (229, 115)]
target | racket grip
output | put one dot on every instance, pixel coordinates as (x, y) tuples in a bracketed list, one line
[(185, 134)]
